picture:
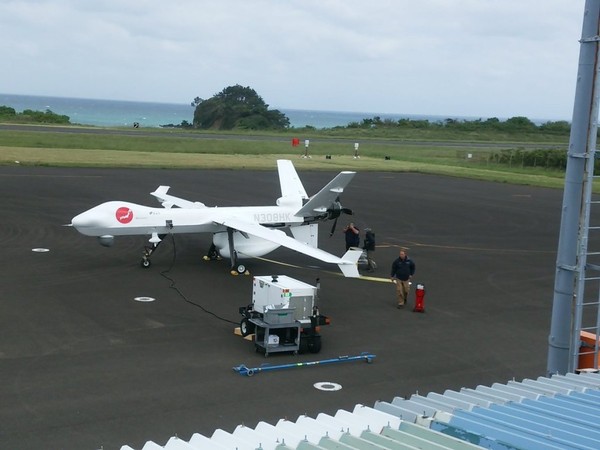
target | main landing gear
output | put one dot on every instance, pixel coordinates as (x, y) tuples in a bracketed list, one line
[(213, 254), (239, 269), (236, 269)]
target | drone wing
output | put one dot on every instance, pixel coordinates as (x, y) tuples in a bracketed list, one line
[(347, 264)]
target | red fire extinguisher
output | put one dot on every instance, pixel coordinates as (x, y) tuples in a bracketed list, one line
[(419, 298)]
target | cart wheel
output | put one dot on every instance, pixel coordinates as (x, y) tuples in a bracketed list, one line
[(246, 327), (314, 344), (250, 372), (303, 347)]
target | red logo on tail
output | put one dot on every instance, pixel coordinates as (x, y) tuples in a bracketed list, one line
[(124, 214)]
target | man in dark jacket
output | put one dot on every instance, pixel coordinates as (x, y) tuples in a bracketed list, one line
[(369, 246), (352, 236), (403, 268)]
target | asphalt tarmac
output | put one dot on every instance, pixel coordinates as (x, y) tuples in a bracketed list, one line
[(83, 365)]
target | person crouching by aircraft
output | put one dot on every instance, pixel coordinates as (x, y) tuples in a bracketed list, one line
[(369, 247), (352, 236), (403, 268)]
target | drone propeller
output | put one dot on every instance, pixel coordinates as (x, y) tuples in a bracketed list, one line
[(333, 227), (334, 213)]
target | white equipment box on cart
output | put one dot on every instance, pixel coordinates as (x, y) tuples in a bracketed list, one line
[(283, 292)]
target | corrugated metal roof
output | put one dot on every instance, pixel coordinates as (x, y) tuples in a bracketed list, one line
[(560, 412)]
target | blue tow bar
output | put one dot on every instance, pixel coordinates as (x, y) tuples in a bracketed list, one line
[(243, 370)]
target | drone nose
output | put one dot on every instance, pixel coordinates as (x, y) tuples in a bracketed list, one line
[(77, 222), (84, 220)]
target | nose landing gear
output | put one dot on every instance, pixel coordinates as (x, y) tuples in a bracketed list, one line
[(148, 250), (145, 263)]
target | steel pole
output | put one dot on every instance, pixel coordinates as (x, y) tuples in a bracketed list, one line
[(574, 214)]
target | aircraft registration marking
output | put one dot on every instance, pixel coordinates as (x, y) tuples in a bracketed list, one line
[(272, 217)]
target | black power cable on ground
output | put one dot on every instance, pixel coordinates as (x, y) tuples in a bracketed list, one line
[(173, 286)]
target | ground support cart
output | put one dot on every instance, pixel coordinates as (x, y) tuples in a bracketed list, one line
[(284, 306)]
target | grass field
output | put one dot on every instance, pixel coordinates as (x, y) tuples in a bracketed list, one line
[(185, 149)]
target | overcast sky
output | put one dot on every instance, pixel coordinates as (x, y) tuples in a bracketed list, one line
[(475, 58)]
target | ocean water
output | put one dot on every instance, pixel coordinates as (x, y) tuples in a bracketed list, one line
[(110, 113)]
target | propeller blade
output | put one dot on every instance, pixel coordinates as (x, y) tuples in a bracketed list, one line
[(333, 227)]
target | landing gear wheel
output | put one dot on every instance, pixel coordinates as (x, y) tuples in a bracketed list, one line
[(241, 268), (246, 327), (145, 263)]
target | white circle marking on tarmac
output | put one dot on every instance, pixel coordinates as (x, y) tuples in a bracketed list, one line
[(144, 299), (327, 386), (40, 250)]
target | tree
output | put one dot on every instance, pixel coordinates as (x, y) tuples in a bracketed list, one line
[(559, 127), (196, 102), (7, 111), (519, 123), (44, 117), (237, 107)]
